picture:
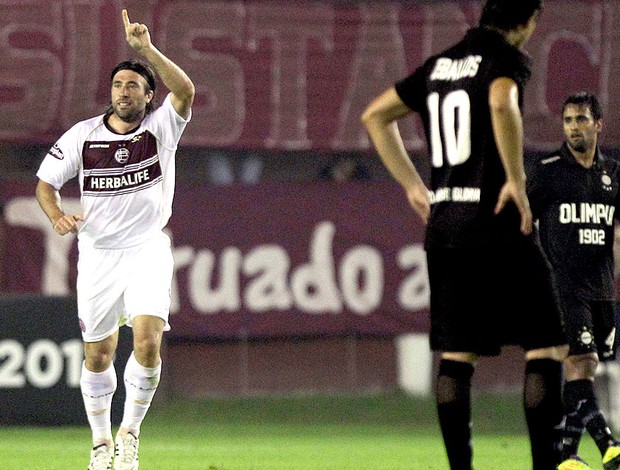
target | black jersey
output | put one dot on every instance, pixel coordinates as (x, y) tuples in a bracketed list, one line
[(576, 207), (450, 91)]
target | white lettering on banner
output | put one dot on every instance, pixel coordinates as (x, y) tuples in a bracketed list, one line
[(183, 257), (362, 264), (26, 212), (414, 293), (203, 297), (314, 283), (268, 290), (41, 364), (319, 286), (261, 280)]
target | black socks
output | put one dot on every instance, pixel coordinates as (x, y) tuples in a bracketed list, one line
[(544, 413), (454, 411)]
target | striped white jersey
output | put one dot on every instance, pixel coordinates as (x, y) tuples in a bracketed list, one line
[(126, 180)]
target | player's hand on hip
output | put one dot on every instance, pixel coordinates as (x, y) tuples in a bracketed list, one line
[(137, 34), (516, 193), (419, 199), (68, 223)]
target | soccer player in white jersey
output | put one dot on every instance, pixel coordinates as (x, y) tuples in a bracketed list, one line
[(124, 160)]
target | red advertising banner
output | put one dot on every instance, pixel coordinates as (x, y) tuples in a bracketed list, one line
[(259, 260), (291, 75)]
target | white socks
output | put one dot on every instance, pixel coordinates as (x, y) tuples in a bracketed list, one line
[(140, 386), (97, 391)]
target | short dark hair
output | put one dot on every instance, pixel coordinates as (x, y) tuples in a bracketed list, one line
[(506, 15), (584, 98)]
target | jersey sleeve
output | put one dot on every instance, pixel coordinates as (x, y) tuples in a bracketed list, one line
[(412, 90), (541, 175), (535, 189), (167, 124), (63, 159), (515, 65)]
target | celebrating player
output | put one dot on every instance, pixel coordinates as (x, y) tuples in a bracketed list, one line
[(124, 160)]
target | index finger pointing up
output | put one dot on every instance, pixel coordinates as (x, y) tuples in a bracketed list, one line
[(125, 18)]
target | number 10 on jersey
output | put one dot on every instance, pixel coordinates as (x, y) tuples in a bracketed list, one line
[(452, 119)]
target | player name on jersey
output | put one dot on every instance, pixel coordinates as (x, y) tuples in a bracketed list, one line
[(455, 69)]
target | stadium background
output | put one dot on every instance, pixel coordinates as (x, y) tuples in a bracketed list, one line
[(287, 281)]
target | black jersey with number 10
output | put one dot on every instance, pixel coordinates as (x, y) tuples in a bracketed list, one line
[(450, 91)]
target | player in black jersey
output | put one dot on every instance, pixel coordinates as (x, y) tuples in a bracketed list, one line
[(574, 193), (490, 283)]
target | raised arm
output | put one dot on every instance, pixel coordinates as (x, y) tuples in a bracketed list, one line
[(175, 79), (508, 131), (380, 118)]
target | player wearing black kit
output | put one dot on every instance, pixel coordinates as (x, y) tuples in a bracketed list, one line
[(574, 195), (490, 283)]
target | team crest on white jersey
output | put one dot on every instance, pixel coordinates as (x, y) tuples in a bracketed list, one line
[(122, 155)]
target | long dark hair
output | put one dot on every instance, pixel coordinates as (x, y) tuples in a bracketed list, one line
[(140, 68)]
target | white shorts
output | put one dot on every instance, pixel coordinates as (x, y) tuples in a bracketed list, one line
[(114, 286)]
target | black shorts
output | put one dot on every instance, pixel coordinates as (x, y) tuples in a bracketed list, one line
[(590, 326), (483, 298)]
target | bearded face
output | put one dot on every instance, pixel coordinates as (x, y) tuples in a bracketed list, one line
[(129, 96), (580, 128)]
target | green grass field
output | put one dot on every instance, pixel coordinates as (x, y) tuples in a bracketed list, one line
[(383, 432)]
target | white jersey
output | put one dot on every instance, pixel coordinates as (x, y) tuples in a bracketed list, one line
[(126, 180)]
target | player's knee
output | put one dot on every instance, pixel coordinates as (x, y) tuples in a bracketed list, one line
[(98, 361), (146, 350)]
